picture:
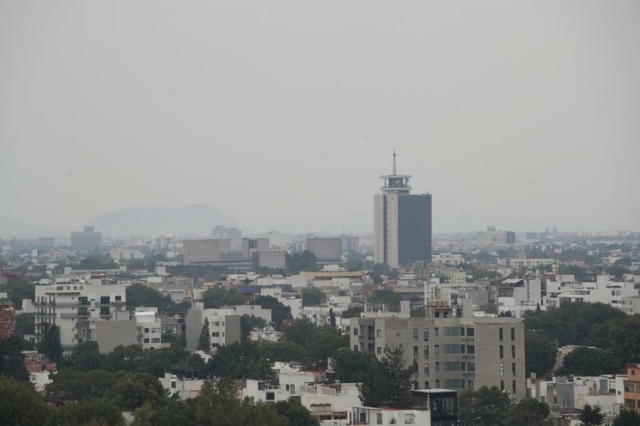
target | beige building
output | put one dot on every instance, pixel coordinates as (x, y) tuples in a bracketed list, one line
[(450, 352), (326, 250), (224, 326)]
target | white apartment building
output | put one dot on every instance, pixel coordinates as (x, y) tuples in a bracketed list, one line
[(70, 300), (518, 295), (448, 259), (619, 294), (290, 299), (149, 328)]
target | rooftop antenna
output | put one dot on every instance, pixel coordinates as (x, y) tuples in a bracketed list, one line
[(394, 162)]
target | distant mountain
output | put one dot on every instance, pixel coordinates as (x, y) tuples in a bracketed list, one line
[(13, 228), (196, 219)]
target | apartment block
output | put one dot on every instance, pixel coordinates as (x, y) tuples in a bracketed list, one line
[(224, 326), (632, 387), (69, 301), (447, 351)]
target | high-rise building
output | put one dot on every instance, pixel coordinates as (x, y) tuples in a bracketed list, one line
[(402, 222), (87, 240)]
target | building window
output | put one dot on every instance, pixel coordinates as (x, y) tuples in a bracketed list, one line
[(513, 351), (426, 352), (436, 331), (438, 384), (452, 331), (426, 370), (501, 385), (437, 349), (415, 335), (378, 333), (146, 340), (355, 331), (155, 340), (104, 300), (355, 348), (513, 386), (173, 385), (501, 334), (471, 349), (104, 311), (513, 368), (437, 366), (462, 348), (462, 331), (415, 352), (513, 333), (471, 366), (452, 366), (146, 330), (215, 334), (451, 349), (629, 403), (501, 352), (118, 298), (426, 385), (471, 331), (425, 335)]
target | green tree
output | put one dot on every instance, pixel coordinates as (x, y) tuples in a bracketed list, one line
[(302, 332), (134, 390), (352, 312), (204, 341), (281, 351), (279, 312), (585, 361), (627, 417), (623, 337), (80, 386), (25, 324), (217, 297), (141, 295), (483, 407), (295, 413), (332, 318), (529, 412), (241, 360), (591, 415), (386, 297), (388, 383), (20, 404), (540, 353), (86, 356), (350, 366), (20, 290), (50, 344), (313, 297), (303, 261), (101, 411), (98, 261), (248, 323), (12, 359), (325, 342)]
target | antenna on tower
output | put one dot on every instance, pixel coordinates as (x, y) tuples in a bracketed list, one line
[(394, 162)]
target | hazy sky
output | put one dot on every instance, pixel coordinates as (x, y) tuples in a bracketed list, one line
[(519, 114)]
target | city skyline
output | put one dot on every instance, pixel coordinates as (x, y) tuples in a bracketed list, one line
[(534, 130)]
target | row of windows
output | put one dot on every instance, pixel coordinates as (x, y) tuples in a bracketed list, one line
[(501, 334), (631, 403), (448, 349), (447, 331), (451, 366), (631, 387)]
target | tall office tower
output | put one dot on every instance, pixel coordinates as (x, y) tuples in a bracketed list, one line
[(402, 222)]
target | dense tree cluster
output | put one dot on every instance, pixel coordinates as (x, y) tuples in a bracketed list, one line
[(302, 261), (218, 296), (588, 324), (492, 407), (142, 295), (313, 297), (388, 382)]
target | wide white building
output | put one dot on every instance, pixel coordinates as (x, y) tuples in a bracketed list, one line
[(71, 300)]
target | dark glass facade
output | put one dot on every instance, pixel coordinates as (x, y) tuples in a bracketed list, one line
[(414, 228)]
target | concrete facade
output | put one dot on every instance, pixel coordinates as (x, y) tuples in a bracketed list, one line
[(224, 326), (326, 250), (454, 353)]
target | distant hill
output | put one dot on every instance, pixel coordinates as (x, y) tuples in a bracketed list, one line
[(196, 219), (12, 228)]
